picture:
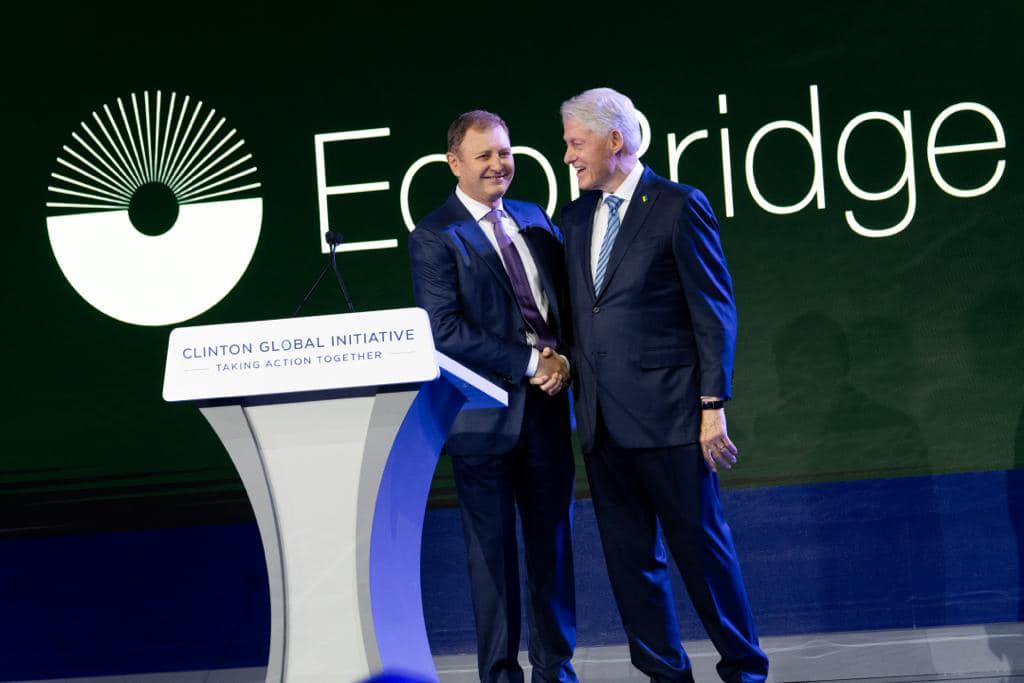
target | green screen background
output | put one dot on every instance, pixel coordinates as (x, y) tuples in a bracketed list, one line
[(858, 358)]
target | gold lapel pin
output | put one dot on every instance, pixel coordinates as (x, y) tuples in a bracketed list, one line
[(643, 198)]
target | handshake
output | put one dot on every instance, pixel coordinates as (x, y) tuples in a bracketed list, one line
[(552, 373)]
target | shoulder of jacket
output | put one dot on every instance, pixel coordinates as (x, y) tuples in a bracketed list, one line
[(524, 209), (680, 190), (578, 204), (435, 221)]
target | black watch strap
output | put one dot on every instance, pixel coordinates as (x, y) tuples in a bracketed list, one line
[(712, 405)]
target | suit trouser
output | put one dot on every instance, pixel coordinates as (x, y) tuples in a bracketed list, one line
[(537, 477), (642, 496)]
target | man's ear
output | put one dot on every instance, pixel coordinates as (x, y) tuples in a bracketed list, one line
[(453, 163), (616, 140)]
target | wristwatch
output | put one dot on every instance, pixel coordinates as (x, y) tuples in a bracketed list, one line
[(712, 405)]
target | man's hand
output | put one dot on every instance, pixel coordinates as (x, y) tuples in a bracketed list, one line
[(718, 449), (552, 372)]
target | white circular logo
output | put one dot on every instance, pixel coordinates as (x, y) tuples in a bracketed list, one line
[(154, 212)]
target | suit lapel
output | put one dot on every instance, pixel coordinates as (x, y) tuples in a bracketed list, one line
[(640, 205), (468, 230), (542, 259), (585, 230)]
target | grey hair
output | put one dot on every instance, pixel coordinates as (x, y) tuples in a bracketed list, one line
[(602, 110)]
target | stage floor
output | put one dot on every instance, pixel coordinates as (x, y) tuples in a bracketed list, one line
[(986, 653)]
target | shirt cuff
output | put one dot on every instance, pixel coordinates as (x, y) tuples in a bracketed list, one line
[(531, 367)]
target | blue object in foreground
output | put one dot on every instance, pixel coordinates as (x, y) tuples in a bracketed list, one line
[(395, 678)]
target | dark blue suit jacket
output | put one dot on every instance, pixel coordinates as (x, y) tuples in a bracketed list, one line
[(662, 331), (459, 279)]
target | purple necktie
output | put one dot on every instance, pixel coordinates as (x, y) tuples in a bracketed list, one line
[(520, 283)]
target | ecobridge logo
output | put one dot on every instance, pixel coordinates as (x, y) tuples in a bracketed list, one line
[(154, 211)]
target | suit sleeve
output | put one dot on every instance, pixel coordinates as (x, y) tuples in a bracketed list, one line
[(564, 298), (435, 288), (708, 287)]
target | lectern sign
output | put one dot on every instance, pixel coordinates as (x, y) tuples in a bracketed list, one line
[(300, 354)]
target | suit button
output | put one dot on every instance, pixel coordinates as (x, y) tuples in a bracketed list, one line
[(597, 309)]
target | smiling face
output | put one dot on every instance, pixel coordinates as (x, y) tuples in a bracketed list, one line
[(593, 156), (483, 164)]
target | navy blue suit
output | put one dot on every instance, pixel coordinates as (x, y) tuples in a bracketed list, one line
[(659, 335), (505, 458)]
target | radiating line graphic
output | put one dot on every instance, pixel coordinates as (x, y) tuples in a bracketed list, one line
[(154, 211), (131, 143)]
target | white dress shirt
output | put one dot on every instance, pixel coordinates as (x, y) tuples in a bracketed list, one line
[(625, 193), (478, 210)]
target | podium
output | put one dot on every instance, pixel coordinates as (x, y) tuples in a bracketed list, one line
[(334, 424)]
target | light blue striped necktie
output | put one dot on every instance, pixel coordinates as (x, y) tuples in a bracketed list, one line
[(613, 203)]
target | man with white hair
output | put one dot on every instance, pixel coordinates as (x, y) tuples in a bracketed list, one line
[(654, 323)]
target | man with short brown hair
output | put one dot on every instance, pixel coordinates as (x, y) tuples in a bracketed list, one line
[(490, 273)]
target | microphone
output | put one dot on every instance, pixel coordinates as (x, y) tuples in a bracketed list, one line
[(333, 238)]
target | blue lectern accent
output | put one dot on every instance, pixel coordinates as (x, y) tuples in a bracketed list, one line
[(398, 521)]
